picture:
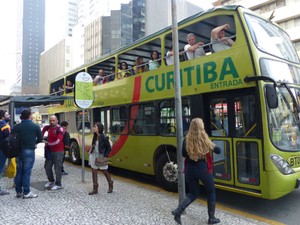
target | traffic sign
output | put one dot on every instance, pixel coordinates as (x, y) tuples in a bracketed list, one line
[(84, 90)]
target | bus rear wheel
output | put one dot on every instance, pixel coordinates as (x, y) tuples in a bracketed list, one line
[(167, 171), (74, 153)]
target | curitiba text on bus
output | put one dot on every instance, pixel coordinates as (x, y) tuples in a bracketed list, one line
[(198, 74)]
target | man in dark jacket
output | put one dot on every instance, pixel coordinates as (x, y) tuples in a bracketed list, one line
[(4, 132), (30, 134)]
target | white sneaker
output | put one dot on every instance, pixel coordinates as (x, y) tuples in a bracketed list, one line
[(49, 185), (56, 187), (30, 195)]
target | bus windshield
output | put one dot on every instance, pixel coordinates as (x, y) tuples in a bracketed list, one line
[(271, 39), (283, 121)]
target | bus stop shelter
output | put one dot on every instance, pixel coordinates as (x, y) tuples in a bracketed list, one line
[(29, 101)]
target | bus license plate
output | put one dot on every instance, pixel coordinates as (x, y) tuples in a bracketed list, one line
[(294, 161)]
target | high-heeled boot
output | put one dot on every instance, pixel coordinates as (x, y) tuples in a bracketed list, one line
[(181, 207), (95, 182), (109, 181), (211, 213)]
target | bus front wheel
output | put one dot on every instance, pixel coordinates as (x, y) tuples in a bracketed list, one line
[(167, 171), (74, 153)]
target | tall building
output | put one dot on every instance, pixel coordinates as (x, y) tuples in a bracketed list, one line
[(284, 12), (30, 43), (138, 19)]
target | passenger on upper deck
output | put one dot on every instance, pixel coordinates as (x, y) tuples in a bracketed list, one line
[(193, 49), (218, 40), (61, 90), (170, 57), (69, 86), (111, 77), (123, 71), (139, 66), (101, 78), (154, 61)]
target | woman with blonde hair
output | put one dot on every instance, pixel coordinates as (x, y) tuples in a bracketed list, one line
[(197, 148)]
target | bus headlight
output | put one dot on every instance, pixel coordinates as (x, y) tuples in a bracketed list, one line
[(281, 164)]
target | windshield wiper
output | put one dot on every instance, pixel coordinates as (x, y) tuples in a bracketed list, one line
[(296, 106)]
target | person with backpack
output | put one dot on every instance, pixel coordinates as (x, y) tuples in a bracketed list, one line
[(30, 135), (100, 150), (66, 140), (55, 156), (4, 133)]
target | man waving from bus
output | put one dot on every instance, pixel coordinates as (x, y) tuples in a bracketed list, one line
[(218, 40)]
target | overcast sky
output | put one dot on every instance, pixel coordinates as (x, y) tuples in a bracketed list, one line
[(8, 24)]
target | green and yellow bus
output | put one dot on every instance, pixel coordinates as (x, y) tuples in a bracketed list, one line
[(248, 96)]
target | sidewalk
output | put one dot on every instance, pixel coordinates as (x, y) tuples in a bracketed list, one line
[(129, 204)]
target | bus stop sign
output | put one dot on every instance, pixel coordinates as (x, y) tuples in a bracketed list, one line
[(84, 90)]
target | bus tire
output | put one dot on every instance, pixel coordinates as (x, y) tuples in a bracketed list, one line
[(167, 172), (75, 153)]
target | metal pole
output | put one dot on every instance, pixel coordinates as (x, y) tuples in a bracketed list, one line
[(11, 111), (178, 104), (82, 148)]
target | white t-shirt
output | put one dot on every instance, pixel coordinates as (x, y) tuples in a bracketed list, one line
[(218, 45), (169, 59), (192, 55)]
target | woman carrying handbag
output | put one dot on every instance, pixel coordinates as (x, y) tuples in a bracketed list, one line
[(98, 157)]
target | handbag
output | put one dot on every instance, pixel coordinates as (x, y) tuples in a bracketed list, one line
[(12, 168), (101, 161), (47, 153)]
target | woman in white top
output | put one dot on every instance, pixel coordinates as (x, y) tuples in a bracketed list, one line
[(154, 62)]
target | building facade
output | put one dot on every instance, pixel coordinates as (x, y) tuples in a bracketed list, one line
[(30, 43)]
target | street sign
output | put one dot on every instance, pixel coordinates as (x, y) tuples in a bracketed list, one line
[(83, 99), (84, 90)]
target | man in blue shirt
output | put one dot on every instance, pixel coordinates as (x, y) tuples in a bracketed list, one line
[(30, 134), (4, 132)]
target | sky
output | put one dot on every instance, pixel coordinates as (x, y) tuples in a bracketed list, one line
[(8, 24)]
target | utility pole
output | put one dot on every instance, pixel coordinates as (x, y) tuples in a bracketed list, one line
[(178, 104)]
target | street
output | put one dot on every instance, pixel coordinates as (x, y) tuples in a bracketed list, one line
[(131, 202)]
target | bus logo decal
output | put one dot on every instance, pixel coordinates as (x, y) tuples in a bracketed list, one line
[(195, 75)]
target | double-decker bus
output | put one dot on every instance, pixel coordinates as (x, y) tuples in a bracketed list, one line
[(248, 96)]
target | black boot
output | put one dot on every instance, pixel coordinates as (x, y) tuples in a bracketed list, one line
[(109, 181), (211, 214), (95, 182), (181, 207)]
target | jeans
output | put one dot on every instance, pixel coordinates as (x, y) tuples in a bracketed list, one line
[(24, 167), (198, 172), (56, 160), (2, 163)]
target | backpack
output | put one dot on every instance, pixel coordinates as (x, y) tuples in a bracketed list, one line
[(12, 146), (66, 140)]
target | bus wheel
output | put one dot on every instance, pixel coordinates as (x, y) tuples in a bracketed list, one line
[(167, 172), (74, 153)]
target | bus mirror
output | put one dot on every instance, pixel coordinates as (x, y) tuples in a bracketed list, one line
[(271, 96)]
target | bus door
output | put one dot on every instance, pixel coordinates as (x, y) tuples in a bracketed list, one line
[(233, 125)]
